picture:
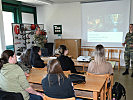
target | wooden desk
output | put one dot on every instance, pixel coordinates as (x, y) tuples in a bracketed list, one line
[(93, 83), (83, 64)]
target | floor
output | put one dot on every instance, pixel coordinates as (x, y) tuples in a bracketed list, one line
[(126, 81)]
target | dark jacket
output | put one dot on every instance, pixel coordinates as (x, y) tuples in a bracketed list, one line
[(67, 63), (36, 61), (10, 95), (54, 90)]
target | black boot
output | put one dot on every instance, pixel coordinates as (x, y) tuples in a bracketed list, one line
[(132, 74), (126, 72)]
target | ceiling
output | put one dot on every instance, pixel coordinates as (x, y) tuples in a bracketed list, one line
[(43, 2)]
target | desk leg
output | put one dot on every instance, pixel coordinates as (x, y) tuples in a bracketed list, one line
[(102, 95), (95, 96)]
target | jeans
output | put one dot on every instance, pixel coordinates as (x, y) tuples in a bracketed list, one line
[(35, 97)]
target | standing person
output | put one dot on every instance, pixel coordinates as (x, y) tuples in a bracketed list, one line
[(128, 53), (35, 59), (12, 78), (65, 61), (56, 84), (100, 65), (40, 40)]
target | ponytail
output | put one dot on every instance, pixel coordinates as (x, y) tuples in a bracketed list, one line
[(1, 63)]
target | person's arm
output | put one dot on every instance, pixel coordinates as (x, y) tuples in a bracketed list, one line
[(123, 44), (38, 62), (71, 64), (30, 90)]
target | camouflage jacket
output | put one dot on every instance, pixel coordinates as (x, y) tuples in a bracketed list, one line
[(39, 40), (129, 41)]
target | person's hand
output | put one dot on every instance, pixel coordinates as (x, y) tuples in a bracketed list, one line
[(123, 44), (40, 94)]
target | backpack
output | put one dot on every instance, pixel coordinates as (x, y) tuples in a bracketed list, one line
[(118, 91), (76, 79)]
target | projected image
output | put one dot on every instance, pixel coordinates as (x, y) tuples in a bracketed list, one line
[(104, 28), (104, 23)]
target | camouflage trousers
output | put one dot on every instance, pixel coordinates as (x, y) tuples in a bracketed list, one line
[(127, 56)]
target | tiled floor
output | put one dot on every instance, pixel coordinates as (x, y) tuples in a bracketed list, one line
[(126, 81)]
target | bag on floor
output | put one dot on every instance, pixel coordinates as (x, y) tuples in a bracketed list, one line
[(118, 91), (77, 79)]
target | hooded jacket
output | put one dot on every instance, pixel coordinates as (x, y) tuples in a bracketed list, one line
[(13, 79)]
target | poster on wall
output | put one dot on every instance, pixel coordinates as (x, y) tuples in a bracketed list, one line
[(57, 29)]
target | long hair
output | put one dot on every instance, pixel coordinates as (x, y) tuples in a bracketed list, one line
[(5, 57), (99, 54), (54, 67), (62, 49), (25, 57), (35, 49)]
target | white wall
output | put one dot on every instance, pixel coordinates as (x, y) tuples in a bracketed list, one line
[(2, 37), (68, 15)]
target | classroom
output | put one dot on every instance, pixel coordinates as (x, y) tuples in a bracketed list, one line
[(76, 29)]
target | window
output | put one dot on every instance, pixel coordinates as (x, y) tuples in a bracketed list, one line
[(8, 18), (27, 18)]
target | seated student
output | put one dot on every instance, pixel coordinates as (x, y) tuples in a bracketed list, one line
[(100, 65), (12, 78), (35, 59), (65, 61), (56, 84), (24, 62)]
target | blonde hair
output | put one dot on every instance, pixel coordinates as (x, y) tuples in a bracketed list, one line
[(99, 54)]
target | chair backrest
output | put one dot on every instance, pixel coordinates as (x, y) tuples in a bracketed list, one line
[(90, 51), (49, 98), (109, 79), (111, 51)]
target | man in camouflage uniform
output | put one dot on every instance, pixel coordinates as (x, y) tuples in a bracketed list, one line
[(40, 40), (128, 54)]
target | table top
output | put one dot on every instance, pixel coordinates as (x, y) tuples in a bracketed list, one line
[(93, 83)]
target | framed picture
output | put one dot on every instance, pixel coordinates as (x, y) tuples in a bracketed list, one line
[(57, 29)]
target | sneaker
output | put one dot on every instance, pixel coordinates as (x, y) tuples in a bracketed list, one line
[(132, 74), (126, 72)]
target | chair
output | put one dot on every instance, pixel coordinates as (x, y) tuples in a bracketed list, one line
[(89, 50), (107, 90), (49, 98), (112, 58)]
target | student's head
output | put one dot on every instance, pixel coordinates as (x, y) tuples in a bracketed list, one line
[(54, 67), (8, 56), (131, 28), (25, 57), (36, 50), (63, 50), (38, 30), (99, 53)]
